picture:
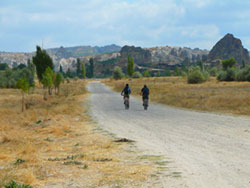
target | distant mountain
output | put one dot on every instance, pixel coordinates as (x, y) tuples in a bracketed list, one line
[(154, 59), (227, 47), (80, 51)]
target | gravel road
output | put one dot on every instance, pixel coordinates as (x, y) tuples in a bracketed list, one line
[(210, 150)]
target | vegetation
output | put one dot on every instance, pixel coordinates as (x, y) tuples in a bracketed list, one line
[(213, 71), (244, 74), (9, 77), (146, 74), (137, 75), (42, 61), (57, 82), (83, 71), (3, 66), (118, 74), (47, 81), (13, 184), (196, 76), (130, 66), (24, 86), (91, 68), (228, 63)]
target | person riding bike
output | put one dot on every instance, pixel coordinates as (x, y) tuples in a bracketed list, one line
[(144, 93), (126, 92)]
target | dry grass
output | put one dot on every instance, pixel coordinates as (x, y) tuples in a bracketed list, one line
[(214, 96), (58, 145)]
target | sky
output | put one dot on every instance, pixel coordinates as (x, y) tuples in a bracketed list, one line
[(146, 23)]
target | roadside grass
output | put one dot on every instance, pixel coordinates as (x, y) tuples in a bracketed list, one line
[(213, 96), (54, 142)]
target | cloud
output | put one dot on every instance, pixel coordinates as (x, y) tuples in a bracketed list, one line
[(139, 22)]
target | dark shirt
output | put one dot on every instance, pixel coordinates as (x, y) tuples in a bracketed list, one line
[(124, 93), (145, 92)]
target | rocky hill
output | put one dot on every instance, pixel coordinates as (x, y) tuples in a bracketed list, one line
[(227, 47), (80, 51), (157, 58)]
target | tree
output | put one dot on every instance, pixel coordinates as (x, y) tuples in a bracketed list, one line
[(57, 82), (83, 70), (118, 74), (47, 81), (42, 61), (3, 66), (24, 86), (78, 68), (167, 72), (130, 66), (146, 74), (228, 63), (201, 65), (61, 69), (91, 67), (177, 71)]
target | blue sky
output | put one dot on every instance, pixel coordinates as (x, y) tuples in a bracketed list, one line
[(147, 23)]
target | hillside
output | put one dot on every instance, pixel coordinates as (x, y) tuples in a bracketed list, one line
[(155, 58), (80, 51)]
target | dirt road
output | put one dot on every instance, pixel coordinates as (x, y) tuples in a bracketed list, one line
[(210, 150)]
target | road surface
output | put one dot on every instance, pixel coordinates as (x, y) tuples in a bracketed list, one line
[(210, 150)]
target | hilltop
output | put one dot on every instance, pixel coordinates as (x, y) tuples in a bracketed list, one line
[(155, 58)]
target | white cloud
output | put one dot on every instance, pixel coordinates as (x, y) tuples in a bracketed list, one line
[(138, 22)]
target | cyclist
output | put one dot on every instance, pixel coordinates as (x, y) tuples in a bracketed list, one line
[(144, 93), (126, 92)]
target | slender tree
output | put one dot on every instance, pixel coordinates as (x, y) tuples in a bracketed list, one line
[(130, 66), (47, 81), (42, 60), (57, 82), (24, 86), (61, 69), (91, 67), (78, 67), (83, 70)]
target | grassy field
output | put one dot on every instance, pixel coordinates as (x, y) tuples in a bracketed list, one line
[(213, 96), (54, 142)]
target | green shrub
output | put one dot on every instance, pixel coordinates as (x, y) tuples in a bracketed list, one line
[(228, 63), (137, 75), (229, 75), (146, 74), (13, 184), (195, 76), (243, 74), (118, 74), (213, 71)]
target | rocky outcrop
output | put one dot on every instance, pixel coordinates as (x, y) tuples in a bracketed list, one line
[(141, 56), (177, 55), (228, 47), (80, 51)]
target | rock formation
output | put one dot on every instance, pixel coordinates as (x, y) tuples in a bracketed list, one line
[(228, 47)]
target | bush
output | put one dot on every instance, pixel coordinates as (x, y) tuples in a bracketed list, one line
[(146, 74), (213, 71), (118, 74), (137, 75), (13, 184), (228, 63), (244, 74), (228, 75), (195, 76)]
